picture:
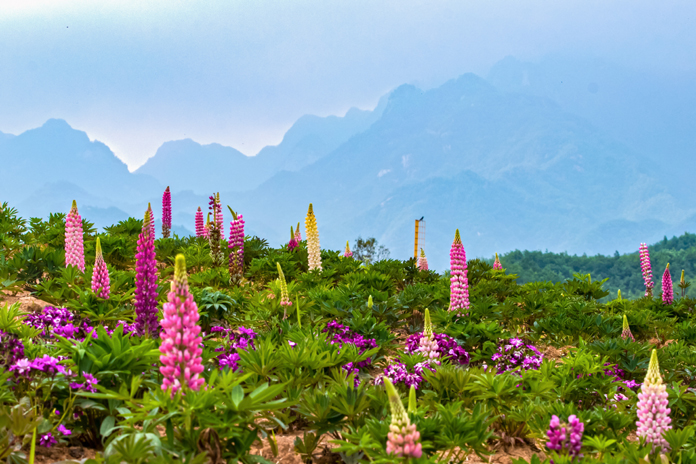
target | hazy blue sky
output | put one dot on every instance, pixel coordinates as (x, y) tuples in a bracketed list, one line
[(135, 74)]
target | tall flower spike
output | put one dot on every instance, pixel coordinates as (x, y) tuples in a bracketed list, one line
[(647, 270), (146, 281), (682, 284), (236, 246), (298, 234), (496, 265), (653, 413), (200, 227), (181, 346), (626, 332), (403, 439), (347, 253), (313, 240), (427, 345), (215, 232), (292, 243), (74, 245), (152, 220), (422, 261), (284, 297), (459, 284), (219, 219), (100, 275), (206, 228), (166, 213), (667, 288), (412, 405), (619, 294)]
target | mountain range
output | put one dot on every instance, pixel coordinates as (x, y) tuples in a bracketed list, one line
[(515, 161)]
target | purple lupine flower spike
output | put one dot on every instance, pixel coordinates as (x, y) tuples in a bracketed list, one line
[(236, 246), (647, 270), (292, 243), (459, 286), (653, 413), (100, 275), (566, 438), (181, 341), (200, 226), (146, 281), (667, 288), (166, 213), (74, 246)]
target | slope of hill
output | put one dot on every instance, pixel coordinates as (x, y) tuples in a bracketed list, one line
[(57, 153), (536, 175), (623, 271), (215, 167)]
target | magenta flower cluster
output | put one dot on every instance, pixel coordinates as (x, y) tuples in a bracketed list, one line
[(45, 364), (146, 281), (459, 283), (59, 321), (11, 349), (243, 339), (447, 347), (342, 334), (566, 438), (646, 268), (514, 355), (397, 373), (88, 384)]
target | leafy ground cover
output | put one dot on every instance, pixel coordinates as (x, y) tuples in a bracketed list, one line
[(265, 360)]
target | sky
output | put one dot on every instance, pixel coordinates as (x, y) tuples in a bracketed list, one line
[(135, 74)]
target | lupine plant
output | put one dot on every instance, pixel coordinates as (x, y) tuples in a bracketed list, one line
[(236, 246), (181, 341), (647, 269), (146, 278), (200, 225), (667, 288), (313, 246), (347, 253), (496, 264), (459, 287), (74, 247), (653, 413), (292, 243), (422, 261), (100, 274), (167, 213)]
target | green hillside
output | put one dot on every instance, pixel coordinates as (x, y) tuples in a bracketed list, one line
[(623, 271)]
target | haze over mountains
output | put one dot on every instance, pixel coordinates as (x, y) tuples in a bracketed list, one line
[(564, 155)]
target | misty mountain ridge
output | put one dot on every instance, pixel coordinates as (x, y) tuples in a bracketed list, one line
[(503, 159)]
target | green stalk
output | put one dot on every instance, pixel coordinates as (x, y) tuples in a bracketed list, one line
[(32, 450)]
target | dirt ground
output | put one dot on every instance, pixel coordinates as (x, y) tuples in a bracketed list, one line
[(58, 454), (27, 303), (287, 455)]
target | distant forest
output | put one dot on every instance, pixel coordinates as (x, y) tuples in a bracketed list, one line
[(623, 271)]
